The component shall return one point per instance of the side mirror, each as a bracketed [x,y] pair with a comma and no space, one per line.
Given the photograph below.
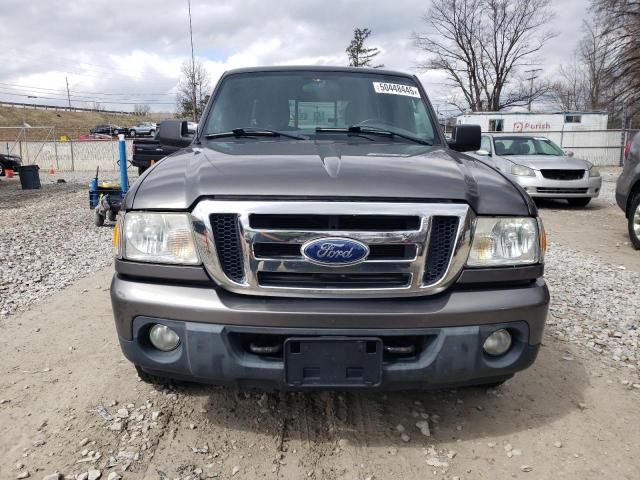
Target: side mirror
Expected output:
[174,133]
[568,153]
[465,138]
[483,152]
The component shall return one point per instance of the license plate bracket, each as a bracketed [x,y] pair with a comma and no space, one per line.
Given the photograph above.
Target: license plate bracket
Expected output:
[330,362]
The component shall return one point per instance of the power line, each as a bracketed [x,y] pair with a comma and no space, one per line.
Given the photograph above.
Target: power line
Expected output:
[86,99]
[30,87]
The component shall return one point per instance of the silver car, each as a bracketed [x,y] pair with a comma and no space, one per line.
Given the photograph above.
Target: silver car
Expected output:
[541,167]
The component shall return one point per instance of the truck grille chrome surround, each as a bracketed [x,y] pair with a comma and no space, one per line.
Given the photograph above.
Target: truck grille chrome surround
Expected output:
[265,261]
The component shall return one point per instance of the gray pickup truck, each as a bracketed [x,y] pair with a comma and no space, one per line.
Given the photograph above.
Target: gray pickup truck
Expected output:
[319,232]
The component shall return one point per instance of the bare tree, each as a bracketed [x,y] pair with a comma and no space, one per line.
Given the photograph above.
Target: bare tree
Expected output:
[141,108]
[621,21]
[359,55]
[568,92]
[482,45]
[193,89]
[97,106]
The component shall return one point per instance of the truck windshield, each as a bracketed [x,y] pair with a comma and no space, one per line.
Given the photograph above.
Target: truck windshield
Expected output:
[307,103]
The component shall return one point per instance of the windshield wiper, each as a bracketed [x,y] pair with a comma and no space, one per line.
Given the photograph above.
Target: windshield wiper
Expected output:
[356,129]
[253,132]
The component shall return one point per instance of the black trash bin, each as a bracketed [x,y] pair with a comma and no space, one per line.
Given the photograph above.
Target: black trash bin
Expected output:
[29,177]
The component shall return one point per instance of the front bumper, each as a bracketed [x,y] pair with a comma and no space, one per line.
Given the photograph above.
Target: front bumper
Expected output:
[453,325]
[540,187]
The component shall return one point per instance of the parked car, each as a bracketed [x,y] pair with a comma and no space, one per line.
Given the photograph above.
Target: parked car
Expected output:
[541,167]
[144,128]
[628,191]
[108,129]
[10,162]
[147,151]
[319,232]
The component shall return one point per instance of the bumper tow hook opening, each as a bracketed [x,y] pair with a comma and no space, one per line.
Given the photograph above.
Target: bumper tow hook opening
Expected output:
[265,349]
[400,350]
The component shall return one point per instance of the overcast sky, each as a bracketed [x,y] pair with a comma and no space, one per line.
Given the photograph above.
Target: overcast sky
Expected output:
[130,52]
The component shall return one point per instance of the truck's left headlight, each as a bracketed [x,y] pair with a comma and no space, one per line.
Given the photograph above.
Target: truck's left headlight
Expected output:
[159,238]
[501,241]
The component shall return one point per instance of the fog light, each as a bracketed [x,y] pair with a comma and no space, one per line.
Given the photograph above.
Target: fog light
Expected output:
[497,343]
[163,338]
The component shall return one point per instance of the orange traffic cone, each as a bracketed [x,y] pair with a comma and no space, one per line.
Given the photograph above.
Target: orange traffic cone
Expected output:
[51,170]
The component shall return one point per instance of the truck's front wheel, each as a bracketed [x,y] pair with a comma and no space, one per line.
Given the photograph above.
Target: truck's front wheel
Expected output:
[634,221]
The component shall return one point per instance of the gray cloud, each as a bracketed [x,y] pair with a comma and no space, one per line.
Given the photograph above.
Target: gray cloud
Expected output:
[135,48]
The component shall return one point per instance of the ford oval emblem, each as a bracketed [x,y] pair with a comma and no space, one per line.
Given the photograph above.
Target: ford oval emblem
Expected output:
[335,252]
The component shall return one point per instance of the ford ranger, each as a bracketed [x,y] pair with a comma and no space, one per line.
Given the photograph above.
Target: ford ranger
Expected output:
[319,232]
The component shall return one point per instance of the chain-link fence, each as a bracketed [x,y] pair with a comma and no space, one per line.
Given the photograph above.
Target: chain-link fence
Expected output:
[43,147]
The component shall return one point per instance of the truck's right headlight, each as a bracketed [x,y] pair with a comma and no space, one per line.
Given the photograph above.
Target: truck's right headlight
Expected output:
[159,238]
[502,241]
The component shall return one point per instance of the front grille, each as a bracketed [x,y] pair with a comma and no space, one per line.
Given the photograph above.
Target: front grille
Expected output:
[376,252]
[561,190]
[227,240]
[374,223]
[414,248]
[334,280]
[443,234]
[555,174]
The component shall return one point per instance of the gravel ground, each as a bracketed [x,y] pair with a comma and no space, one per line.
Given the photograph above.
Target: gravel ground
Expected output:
[594,304]
[48,241]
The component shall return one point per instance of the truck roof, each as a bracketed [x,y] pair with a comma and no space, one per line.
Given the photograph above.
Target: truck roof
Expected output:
[318,68]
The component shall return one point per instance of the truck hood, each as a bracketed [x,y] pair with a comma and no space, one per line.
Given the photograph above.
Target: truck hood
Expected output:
[538,162]
[366,171]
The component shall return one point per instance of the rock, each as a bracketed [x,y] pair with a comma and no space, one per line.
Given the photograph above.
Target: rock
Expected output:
[39,443]
[19,466]
[343,443]
[582,406]
[114,476]
[82,476]
[405,438]
[526,468]
[436,462]
[400,428]
[557,444]
[423,426]
[491,444]
[4,400]
[53,476]
[94,474]
[235,470]
[83,442]
[116,426]
[24,474]
[155,415]
[122,413]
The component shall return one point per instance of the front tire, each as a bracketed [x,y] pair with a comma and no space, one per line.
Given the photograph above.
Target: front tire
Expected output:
[579,202]
[132,133]
[634,221]
[152,133]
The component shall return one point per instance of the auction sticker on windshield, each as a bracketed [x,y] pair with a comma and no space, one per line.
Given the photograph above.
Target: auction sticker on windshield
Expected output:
[396,89]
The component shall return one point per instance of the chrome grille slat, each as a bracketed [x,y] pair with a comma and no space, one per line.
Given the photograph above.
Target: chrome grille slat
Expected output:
[413,269]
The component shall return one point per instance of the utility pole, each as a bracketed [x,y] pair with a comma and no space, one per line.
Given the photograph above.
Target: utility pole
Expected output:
[68,96]
[193,68]
[533,75]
